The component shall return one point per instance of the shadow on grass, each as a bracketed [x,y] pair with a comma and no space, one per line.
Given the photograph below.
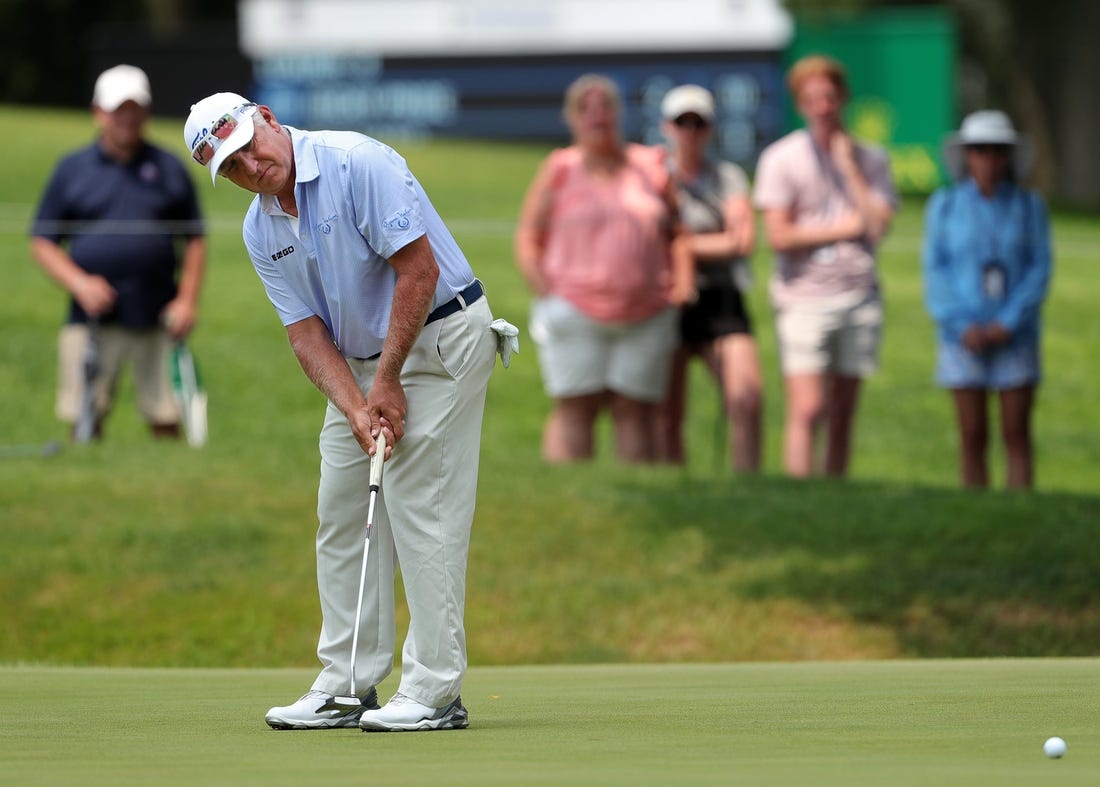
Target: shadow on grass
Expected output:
[950,573]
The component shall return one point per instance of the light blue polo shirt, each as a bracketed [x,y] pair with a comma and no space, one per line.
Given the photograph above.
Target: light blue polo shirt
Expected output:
[358,203]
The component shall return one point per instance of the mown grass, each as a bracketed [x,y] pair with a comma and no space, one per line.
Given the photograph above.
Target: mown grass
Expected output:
[902,723]
[133,552]
[958,722]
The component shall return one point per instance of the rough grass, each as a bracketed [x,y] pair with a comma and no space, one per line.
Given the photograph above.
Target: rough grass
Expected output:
[140,553]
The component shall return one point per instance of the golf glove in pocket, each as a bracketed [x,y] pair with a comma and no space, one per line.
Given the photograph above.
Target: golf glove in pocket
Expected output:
[507,339]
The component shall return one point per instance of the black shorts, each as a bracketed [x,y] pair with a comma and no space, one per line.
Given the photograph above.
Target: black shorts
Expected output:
[720,311]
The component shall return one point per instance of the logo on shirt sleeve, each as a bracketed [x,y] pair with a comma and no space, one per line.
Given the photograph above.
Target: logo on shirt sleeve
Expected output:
[398,221]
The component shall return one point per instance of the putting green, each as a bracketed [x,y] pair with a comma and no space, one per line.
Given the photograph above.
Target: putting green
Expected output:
[848,723]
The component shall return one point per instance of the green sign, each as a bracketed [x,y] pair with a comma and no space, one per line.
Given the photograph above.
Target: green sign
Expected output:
[901,69]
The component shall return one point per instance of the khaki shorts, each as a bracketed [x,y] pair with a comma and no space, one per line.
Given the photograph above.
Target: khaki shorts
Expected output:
[580,356]
[838,334]
[147,351]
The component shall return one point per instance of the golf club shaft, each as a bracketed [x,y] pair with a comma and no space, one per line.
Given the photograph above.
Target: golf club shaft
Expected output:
[43,449]
[89,415]
[375,485]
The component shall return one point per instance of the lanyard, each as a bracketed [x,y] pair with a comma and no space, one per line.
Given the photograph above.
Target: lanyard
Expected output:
[987,217]
[835,191]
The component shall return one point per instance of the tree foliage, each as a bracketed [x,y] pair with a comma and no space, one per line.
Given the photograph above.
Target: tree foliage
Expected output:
[46,46]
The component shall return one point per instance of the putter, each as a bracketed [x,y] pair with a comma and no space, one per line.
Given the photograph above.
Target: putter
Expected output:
[86,421]
[375,485]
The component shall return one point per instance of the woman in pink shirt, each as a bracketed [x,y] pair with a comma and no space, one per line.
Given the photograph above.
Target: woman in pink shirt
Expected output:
[599,243]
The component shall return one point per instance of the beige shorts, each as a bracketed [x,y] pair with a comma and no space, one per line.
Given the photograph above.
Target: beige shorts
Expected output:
[580,356]
[148,352]
[839,334]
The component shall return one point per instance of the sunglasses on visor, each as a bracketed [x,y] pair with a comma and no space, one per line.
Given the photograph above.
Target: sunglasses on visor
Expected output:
[221,130]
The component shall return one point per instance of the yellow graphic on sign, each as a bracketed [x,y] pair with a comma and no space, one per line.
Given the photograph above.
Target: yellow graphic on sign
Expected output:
[872,119]
[914,168]
[914,165]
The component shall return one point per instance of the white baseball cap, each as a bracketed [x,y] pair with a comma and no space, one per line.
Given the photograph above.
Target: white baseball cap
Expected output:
[120,84]
[217,127]
[688,98]
[986,127]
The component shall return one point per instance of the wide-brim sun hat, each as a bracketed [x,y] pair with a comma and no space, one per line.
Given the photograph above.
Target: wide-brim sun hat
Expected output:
[986,127]
[218,127]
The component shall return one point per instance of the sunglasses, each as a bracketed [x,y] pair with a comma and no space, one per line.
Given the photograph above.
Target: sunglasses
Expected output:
[988,149]
[221,130]
[691,121]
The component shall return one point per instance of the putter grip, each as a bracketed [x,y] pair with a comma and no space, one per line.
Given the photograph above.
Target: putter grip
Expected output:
[377,461]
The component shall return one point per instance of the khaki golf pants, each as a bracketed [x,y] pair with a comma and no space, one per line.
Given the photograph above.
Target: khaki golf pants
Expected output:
[422,519]
[149,352]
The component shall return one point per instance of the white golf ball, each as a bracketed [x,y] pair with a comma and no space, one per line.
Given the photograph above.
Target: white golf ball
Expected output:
[1054,747]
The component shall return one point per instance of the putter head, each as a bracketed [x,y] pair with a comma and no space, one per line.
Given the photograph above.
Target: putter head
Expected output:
[341,703]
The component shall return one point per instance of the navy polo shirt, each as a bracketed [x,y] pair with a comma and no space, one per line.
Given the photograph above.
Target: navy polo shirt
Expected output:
[125,222]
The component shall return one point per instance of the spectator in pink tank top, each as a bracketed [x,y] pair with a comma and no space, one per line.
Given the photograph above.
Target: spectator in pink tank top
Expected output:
[599,244]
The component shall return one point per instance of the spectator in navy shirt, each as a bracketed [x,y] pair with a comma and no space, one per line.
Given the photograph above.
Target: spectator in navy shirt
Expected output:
[119,229]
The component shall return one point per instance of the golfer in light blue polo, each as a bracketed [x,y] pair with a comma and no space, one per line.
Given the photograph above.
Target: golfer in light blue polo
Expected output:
[387,319]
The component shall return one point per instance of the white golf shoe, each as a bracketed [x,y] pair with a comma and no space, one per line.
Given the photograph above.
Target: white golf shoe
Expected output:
[402,714]
[318,710]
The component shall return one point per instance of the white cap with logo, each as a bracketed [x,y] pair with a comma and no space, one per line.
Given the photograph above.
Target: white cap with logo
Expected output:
[120,84]
[217,127]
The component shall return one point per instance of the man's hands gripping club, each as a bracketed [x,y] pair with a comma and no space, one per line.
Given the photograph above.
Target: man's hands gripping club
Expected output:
[383,413]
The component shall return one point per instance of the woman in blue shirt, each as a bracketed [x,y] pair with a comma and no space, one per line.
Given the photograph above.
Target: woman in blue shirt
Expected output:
[986,263]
